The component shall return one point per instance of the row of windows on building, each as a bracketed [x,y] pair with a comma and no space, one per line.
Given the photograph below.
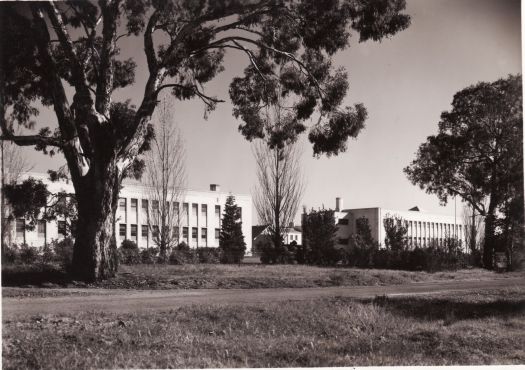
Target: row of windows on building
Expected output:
[40,228]
[422,228]
[293,237]
[433,230]
[426,242]
[145,233]
[175,208]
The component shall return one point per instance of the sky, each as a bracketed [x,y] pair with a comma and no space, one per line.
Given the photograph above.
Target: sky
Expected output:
[405,82]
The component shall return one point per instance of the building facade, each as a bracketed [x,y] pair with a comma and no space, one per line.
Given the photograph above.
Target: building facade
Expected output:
[199,225]
[423,228]
[291,233]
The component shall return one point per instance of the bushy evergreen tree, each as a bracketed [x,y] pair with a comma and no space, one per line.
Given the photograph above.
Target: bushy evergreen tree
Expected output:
[319,232]
[396,229]
[231,239]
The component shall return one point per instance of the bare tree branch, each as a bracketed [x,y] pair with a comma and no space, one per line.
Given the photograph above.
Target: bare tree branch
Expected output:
[166,180]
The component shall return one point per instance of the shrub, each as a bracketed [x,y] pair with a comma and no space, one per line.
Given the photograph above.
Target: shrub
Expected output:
[232,254]
[11,255]
[300,254]
[47,254]
[266,249]
[64,252]
[208,255]
[28,255]
[148,256]
[129,252]
[418,259]
[182,256]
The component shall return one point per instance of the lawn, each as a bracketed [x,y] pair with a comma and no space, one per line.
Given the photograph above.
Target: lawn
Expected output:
[231,276]
[477,328]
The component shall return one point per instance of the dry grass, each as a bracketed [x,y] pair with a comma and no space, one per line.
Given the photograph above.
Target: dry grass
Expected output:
[477,328]
[273,276]
[244,276]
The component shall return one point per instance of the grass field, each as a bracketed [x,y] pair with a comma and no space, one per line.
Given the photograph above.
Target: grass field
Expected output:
[231,276]
[484,327]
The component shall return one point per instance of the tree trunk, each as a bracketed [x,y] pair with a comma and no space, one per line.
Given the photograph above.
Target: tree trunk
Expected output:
[490,238]
[95,251]
[473,231]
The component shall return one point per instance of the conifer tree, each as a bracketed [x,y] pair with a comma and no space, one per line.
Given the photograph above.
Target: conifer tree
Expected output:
[231,239]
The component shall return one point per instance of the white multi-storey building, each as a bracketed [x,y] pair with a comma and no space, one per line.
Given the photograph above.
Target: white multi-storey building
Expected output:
[199,225]
[423,228]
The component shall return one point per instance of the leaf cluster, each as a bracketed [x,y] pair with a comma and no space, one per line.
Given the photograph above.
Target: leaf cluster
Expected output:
[477,152]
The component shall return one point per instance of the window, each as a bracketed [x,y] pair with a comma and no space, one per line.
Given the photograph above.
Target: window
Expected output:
[194,233]
[218,214]
[134,232]
[133,205]
[155,231]
[185,234]
[344,221]
[155,206]
[176,233]
[41,228]
[204,236]
[185,213]
[61,225]
[145,205]
[122,230]
[122,204]
[144,231]
[194,211]
[20,227]
[204,215]
[217,234]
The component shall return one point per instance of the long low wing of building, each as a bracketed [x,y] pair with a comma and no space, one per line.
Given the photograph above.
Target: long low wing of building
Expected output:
[424,228]
[200,222]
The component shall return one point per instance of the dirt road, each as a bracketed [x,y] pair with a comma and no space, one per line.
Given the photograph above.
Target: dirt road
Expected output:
[124,301]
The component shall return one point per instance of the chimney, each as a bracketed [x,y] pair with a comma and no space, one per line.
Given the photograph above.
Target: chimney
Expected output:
[215,187]
[338,204]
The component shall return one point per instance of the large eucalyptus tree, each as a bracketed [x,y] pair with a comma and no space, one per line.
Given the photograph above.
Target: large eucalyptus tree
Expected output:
[65,55]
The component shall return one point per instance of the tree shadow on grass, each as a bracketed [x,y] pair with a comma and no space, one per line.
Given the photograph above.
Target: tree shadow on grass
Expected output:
[451,309]
[40,275]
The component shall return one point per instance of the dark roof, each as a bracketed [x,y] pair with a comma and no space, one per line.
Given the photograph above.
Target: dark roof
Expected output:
[257,230]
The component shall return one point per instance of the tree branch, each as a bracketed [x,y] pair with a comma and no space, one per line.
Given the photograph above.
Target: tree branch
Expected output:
[304,69]
[148,42]
[109,31]
[79,78]
[28,140]
[208,100]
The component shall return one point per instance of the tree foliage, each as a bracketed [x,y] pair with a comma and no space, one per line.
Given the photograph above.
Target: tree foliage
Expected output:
[231,239]
[319,236]
[67,56]
[363,235]
[396,229]
[32,201]
[477,153]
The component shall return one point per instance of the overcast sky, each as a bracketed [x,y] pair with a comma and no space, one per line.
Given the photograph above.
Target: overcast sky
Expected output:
[405,83]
